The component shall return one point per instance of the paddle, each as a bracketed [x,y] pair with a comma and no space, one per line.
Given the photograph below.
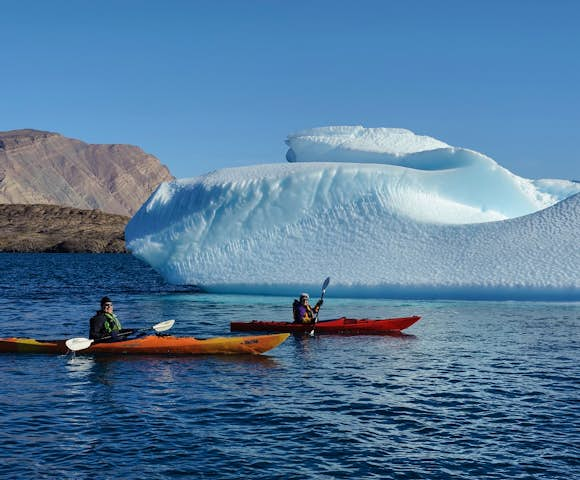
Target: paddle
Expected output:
[80,343]
[324,285]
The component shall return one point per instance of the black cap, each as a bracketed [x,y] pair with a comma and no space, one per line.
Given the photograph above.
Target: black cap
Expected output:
[106,300]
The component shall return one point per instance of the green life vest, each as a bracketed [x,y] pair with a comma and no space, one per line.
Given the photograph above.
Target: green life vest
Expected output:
[112,323]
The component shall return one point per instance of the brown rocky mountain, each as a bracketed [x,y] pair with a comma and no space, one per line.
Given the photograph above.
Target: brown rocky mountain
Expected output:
[39,167]
[52,228]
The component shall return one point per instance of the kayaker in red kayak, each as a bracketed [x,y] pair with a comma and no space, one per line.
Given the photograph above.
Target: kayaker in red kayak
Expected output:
[105,323]
[303,312]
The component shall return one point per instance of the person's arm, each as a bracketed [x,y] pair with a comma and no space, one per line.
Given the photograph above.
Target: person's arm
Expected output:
[318,305]
[296,312]
[97,324]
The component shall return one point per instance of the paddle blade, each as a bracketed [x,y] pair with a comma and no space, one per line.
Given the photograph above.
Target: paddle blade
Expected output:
[326,282]
[76,344]
[163,326]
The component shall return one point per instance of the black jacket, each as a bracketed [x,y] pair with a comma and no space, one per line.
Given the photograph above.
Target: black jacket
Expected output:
[97,326]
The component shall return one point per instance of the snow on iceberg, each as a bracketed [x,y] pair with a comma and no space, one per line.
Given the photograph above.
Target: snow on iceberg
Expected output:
[383,212]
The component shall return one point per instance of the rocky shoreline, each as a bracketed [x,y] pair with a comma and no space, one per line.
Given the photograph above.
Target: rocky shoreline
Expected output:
[40,228]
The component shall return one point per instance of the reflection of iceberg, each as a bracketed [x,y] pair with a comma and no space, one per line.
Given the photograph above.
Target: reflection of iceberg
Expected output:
[382,211]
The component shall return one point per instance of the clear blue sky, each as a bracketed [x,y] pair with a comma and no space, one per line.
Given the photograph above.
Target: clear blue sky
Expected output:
[211,84]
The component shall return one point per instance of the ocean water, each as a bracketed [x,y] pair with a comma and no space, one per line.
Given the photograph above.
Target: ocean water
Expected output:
[474,390]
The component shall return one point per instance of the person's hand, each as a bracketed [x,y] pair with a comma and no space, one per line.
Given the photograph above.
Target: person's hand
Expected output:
[319,303]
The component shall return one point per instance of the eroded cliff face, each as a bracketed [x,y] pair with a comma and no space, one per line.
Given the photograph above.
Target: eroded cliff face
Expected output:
[38,167]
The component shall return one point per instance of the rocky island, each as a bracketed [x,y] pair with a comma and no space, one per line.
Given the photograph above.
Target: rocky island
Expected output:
[56,229]
[59,194]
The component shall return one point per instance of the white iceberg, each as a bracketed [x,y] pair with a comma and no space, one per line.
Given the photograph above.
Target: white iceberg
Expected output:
[383,212]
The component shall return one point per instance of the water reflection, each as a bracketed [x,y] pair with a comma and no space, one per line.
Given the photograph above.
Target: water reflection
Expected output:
[163,369]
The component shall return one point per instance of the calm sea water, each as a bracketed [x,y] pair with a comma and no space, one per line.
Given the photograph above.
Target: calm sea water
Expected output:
[475,390]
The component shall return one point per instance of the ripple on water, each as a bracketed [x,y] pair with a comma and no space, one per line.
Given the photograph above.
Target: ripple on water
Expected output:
[479,390]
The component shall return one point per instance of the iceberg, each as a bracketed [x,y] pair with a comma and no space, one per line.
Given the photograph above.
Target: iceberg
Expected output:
[383,212]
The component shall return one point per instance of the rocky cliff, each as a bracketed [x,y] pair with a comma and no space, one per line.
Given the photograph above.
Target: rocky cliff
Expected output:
[39,167]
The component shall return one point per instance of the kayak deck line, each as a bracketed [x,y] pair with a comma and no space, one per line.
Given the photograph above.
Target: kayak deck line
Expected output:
[152,345]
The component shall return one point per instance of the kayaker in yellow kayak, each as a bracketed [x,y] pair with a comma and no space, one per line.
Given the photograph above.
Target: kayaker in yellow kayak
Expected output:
[303,312]
[105,323]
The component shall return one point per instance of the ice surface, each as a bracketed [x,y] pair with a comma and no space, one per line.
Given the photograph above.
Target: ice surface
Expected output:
[383,212]
[357,144]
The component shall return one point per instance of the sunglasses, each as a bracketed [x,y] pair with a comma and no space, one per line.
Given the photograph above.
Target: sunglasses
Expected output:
[108,305]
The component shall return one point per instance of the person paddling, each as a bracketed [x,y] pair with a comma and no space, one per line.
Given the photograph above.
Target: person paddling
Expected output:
[303,312]
[105,324]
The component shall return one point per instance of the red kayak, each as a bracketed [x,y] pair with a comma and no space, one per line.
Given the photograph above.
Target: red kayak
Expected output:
[343,325]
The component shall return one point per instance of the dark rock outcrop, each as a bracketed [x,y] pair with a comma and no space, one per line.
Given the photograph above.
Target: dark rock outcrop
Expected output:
[52,228]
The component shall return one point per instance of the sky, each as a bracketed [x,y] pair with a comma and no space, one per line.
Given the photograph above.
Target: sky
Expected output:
[204,85]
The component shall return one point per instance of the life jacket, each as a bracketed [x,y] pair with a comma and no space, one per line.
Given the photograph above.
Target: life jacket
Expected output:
[103,324]
[112,323]
[302,313]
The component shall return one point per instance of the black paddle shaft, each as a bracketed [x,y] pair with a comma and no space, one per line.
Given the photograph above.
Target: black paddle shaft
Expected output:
[324,285]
